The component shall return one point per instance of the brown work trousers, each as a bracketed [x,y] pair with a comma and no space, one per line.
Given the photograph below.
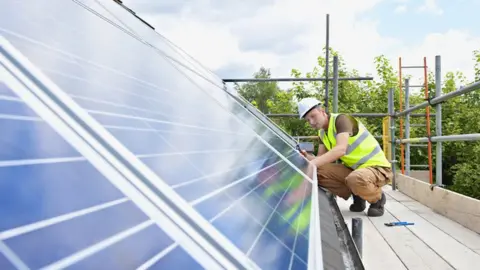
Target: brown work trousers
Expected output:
[342,181]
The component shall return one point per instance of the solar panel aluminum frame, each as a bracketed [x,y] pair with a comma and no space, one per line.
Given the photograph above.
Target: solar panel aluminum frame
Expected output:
[315,255]
[40,94]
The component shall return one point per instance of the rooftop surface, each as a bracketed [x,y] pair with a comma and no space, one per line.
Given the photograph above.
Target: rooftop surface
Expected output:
[433,242]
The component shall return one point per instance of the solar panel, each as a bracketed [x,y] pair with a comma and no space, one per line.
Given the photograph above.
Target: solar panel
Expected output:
[56,207]
[111,11]
[201,181]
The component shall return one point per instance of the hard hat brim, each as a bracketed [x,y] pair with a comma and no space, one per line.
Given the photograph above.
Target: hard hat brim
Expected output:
[307,111]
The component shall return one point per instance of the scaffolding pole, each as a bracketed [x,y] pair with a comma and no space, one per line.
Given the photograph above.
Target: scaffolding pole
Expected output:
[427,116]
[296,79]
[391,112]
[407,127]
[438,121]
[446,138]
[366,115]
[400,108]
[312,137]
[327,56]
[335,84]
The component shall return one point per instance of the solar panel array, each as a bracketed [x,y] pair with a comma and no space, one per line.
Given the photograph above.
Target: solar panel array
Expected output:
[118,150]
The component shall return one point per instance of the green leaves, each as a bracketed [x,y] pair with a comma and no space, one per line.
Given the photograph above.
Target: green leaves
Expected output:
[476,58]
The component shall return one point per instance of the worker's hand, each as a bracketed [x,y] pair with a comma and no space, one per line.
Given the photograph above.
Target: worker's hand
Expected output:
[307,155]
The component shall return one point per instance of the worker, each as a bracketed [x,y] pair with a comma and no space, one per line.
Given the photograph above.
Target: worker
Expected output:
[364,168]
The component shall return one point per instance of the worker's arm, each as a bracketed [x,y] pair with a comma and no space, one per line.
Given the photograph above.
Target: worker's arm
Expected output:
[336,152]
[321,149]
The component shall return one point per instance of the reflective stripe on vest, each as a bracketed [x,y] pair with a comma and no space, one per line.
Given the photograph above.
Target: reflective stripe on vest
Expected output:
[363,149]
[294,219]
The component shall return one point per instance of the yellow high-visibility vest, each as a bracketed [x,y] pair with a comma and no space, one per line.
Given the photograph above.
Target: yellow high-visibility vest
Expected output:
[363,149]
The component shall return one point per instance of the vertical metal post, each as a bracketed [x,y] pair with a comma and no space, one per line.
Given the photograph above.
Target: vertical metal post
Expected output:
[326,62]
[438,118]
[407,127]
[391,112]
[357,232]
[335,84]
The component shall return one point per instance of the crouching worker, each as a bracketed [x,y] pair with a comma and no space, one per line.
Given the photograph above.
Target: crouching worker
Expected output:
[364,169]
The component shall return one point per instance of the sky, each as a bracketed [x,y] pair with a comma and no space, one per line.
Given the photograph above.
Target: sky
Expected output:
[235,38]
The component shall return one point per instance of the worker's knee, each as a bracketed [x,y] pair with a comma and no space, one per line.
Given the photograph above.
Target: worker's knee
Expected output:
[336,172]
[358,179]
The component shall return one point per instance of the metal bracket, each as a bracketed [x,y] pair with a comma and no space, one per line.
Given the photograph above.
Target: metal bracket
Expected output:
[432,186]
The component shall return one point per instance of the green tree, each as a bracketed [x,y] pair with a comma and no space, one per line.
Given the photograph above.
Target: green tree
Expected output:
[259,93]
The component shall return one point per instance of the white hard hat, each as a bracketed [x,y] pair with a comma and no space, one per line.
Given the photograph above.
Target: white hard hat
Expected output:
[305,105]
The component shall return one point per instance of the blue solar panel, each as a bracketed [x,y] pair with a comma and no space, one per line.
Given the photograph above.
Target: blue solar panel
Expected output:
[115,13]
[55,206]
[209,150]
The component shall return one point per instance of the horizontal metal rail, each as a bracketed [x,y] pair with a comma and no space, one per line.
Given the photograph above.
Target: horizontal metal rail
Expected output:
[297,79]
[368,115]
[447,138]
[317,137]
[434,101]
[306,137]
[413,66]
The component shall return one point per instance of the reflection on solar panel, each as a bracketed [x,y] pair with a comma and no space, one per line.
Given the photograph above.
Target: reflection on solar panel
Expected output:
[119,152]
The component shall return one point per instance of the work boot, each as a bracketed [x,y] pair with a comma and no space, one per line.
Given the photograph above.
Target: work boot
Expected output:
[377,209]
[358,204]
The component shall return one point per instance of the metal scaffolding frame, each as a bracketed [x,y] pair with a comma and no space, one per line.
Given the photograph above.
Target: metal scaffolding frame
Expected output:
[407,113]
[438,138]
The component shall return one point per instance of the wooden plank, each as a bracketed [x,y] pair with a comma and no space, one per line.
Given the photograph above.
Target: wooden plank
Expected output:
[377,254]
[396,194]
[456,254]
[413,252]
[463,235]
[460,208]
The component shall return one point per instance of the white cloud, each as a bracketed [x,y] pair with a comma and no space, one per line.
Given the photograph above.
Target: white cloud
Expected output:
[430,6]
[458,59]
[401,9]
[286,34]
[295,41]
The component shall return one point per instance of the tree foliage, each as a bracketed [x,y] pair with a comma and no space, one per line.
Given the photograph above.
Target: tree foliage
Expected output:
[460,115]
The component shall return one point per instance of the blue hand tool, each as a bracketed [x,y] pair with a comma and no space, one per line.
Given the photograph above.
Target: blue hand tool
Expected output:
[398,223]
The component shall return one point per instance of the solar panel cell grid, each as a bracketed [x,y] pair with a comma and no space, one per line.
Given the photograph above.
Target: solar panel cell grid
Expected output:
[55,206]
[117,14]
[4,262]
[26,139]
